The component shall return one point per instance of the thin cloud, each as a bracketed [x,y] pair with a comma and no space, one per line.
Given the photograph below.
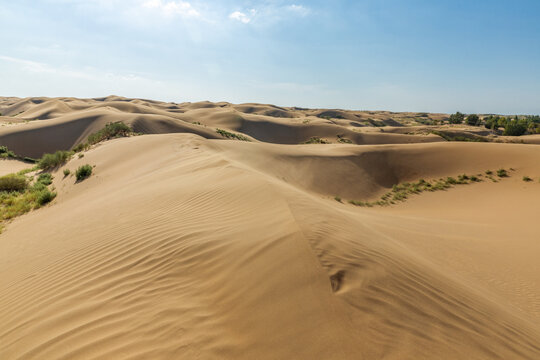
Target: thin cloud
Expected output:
[242,17]
[270,14]
[298,9]
[172,8]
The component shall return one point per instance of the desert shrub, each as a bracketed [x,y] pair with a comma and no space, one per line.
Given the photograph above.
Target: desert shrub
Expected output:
[110,131]
[81,147]
[66,172]
[45,179]
[502,173]
[230,135]
[337,198]
[13,182]
[50,161]
[473,120]
[44,196]
[343,140]
[527,179]
[6,153]
[83,172]
[456,118]
[316,140]
[489,172]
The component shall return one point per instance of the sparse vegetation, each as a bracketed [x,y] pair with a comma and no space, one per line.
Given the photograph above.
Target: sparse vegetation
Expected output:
[110,131]
[337,198]
[19,196]
[6,153]
[230,135]
[527,179]
[45,178]
[51,161]
[502,173]
[452,137]
[66,172]
[343,140]
[316,140]
[83,172]
[401,192]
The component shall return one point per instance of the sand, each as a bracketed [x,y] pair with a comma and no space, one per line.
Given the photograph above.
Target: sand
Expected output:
[184,245]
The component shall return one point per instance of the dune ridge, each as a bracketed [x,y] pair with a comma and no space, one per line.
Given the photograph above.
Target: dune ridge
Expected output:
[186,245]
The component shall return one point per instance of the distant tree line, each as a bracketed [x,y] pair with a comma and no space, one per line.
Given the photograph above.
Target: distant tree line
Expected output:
[512,125]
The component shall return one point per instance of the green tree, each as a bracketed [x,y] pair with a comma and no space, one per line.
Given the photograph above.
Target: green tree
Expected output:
[456,118]
[473,120]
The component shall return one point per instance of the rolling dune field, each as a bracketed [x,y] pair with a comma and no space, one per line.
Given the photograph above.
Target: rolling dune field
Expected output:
[188,243]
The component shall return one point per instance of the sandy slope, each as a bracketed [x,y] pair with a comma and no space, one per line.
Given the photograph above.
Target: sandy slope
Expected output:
[183,246]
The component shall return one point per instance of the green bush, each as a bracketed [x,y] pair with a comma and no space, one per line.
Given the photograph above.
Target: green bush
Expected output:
[44,196]
[13,182]
[527,179]
[6,153]
[45,179]
[83,172]
[502,173]
[66,172]
[50,161]
[110,131]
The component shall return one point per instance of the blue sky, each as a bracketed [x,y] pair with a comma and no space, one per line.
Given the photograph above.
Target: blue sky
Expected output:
[415,55]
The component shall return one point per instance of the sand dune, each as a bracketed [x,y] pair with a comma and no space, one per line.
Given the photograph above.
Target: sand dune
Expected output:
[186,245]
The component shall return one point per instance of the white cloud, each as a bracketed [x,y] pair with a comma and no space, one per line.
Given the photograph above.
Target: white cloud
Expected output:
[299,9]
[86,73]
[242,17]
[172,8]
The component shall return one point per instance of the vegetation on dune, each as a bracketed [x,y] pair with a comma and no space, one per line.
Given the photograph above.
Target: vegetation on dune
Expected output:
[5,153]
[401,192]
[18,195]
[502,173]
[51,161]
[83,172]
[229,135]
[452,137]
[110,131]
[316,140]
[343,140]
[66,172]
[527,179]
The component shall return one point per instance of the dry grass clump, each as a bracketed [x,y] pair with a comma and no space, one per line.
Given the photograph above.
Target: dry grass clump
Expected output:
[316,140]
[401,192]
[229,135]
